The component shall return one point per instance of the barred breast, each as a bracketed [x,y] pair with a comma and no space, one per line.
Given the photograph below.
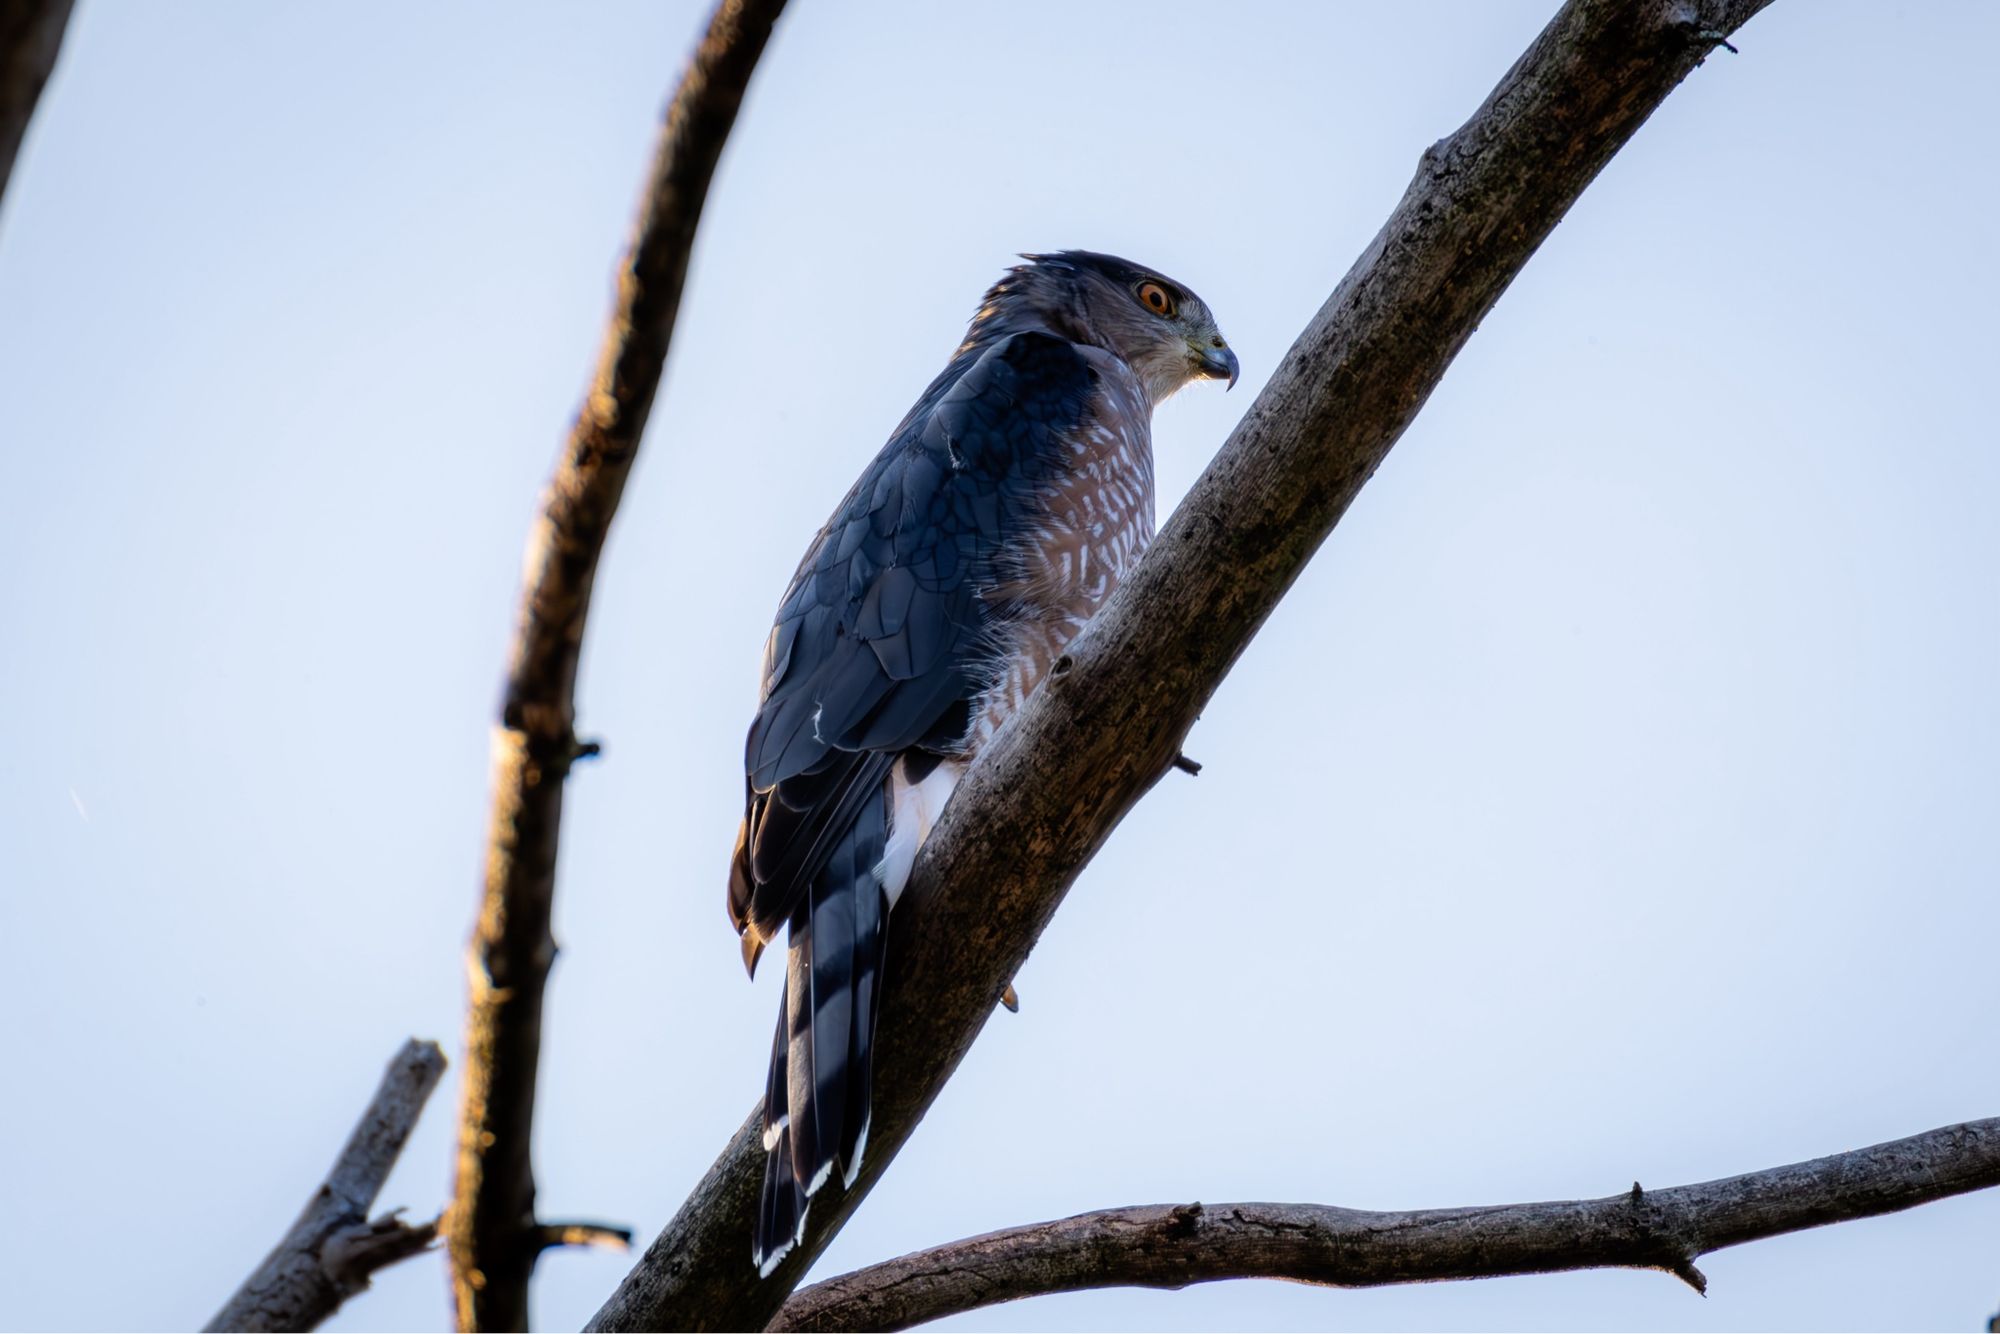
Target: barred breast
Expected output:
[1095,522]
[1098,522]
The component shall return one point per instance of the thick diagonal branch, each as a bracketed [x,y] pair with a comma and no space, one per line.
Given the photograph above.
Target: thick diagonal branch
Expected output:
[491,1227]
[31,33]
[333,1248]
[1099,733]
[1171,1246]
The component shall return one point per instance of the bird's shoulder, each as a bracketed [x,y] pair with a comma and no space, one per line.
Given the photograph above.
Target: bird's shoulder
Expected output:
[882,639]
[877,639]
[1011,409]
[948,486]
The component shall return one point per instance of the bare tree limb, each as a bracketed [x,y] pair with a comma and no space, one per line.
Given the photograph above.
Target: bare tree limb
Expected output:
[31,33]
[332,1249]
[490,1227]
[605,1236]
[1169,1246]
[1112,718]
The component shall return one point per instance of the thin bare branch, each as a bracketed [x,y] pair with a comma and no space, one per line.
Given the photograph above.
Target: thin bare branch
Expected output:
[490,1227]
[1171,1246]
[31,33]
[332,1249]
[604,1236]
[1113,717]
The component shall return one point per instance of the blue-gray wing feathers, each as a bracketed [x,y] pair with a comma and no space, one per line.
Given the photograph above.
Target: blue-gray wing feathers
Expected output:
[880,647]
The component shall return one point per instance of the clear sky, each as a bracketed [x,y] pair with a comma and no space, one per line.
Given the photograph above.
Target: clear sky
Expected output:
[1613,798]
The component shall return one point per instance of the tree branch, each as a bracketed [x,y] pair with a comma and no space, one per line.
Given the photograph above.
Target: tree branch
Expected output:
[1167,1246]
[605,1236]
[490,1227]
[332,1249]
[1112,718]
[31,33]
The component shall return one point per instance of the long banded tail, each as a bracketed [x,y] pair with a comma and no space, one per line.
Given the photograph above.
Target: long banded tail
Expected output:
[817,1098]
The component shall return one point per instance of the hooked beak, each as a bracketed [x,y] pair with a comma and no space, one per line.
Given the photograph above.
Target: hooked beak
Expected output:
[1219,363]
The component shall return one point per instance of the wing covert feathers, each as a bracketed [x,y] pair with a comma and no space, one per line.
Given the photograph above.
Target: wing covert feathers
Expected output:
[881,644]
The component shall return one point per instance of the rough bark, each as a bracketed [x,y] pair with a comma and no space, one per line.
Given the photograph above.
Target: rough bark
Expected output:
[1111,720]
[1171,1246]
[332,1249]
[31,33]
[491,1228]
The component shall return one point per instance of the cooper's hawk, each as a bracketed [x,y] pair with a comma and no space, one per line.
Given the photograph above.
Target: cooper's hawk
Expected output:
[1000,515]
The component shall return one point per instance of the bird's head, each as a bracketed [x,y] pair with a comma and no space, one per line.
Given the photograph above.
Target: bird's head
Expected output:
[1163,331]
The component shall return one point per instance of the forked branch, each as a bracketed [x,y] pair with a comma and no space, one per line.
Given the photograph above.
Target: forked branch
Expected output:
[1171,1246]
[334,1246]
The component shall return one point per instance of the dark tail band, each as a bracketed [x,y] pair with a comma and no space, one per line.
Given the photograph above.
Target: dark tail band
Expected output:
[817,1099]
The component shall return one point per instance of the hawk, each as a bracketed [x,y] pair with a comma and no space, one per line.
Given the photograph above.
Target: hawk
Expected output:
[999,516]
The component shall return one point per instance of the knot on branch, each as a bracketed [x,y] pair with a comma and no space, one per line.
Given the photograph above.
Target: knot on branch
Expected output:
[1684,1270]
[1184,1221]
[538,741]
[1434,160]
[1688,20]
[352,1254]
[1665,1240]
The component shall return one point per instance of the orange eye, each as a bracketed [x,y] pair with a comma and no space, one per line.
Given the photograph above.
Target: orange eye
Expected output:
[1156,299]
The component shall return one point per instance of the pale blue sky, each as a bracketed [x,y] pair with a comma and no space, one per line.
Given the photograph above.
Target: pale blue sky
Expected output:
[1614,796]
